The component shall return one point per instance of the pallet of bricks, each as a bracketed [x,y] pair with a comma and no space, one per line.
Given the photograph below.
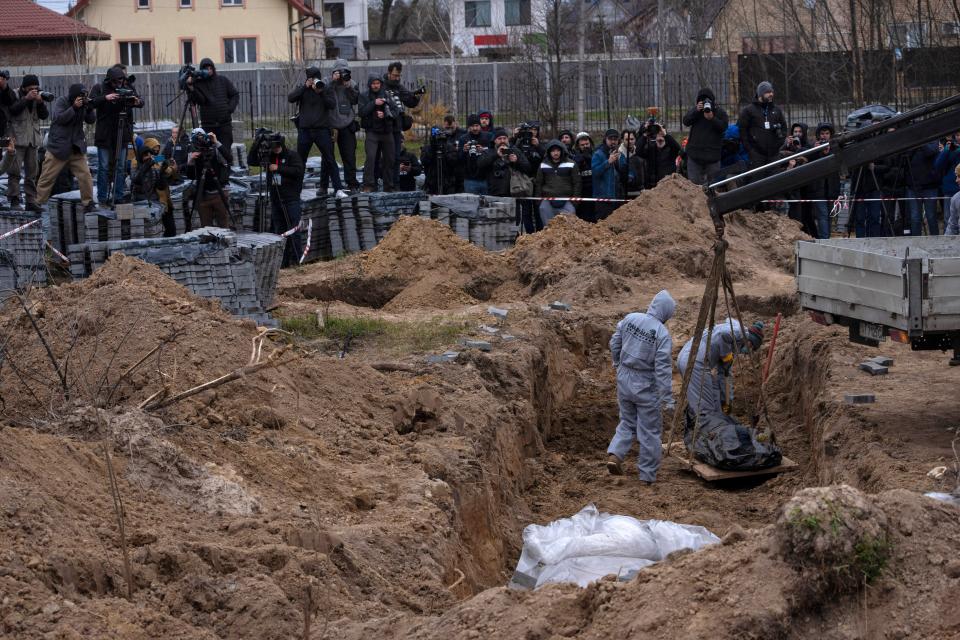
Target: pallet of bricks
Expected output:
[486,221]
[22,253]
[239,269]
[69,225]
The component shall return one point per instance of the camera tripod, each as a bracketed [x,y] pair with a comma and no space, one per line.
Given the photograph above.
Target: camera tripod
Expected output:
[199,183]
[119,155]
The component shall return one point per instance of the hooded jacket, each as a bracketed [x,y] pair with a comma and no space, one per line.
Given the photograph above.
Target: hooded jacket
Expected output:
[408,179]
[343,113]
[108,113]
[762,129]
[24,123]
[556,179]
[369,108]
[490,127]
[642,352]
[216,97]
[66,125]
[584,162]
[706,136]
[707,392]
[150,176]
[314,104]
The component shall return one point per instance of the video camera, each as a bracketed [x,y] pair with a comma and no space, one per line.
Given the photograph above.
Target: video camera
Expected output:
[265,139]
[707,106]
[188,71]
[202,143]
[525,134]
[438,138]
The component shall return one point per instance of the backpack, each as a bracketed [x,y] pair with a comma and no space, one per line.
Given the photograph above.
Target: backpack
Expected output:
[521,185]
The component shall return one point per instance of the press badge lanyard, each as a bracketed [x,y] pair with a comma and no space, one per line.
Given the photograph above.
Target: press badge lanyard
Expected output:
[766,117]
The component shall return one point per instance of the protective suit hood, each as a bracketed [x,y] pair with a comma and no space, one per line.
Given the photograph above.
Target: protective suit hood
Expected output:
[662,306]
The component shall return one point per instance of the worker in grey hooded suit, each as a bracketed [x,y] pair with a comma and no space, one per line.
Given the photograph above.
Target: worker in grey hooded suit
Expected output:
[642,354]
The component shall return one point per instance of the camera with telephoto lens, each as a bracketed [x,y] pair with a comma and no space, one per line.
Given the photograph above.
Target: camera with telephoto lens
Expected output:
[525,134]
[472,148]
[202,143]
[707,106]
[420,91]
[345,75]
[266,139]
[438,138]
[46,96]
[188,71]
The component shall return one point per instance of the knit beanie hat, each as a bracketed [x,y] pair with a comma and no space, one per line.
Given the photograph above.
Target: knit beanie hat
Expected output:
[30,80]
[473,119]
[764,87]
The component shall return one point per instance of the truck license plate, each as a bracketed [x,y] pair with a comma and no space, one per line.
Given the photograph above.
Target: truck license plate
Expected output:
[872,331]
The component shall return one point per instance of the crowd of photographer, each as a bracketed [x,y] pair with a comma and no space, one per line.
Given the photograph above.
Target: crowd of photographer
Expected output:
[569,174]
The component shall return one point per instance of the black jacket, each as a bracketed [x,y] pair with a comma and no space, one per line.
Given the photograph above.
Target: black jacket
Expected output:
[149,177]
[402,99]
[556,179]
[289,173]
[584,162]
[216,172]
[408,180]
[7,97]
[176,151]
[921,174]
[661,162]
[759,139]
[453,168]
[369,108]
[706,136]
[497,170]
[216,97]
[66,125]
[471,170]
[108,113]
[826,188]
[314,105]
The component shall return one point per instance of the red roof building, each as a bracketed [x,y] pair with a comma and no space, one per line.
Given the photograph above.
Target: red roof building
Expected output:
[32,35]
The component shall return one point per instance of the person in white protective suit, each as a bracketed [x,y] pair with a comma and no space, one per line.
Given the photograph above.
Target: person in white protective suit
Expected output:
[711,382]
[642,355]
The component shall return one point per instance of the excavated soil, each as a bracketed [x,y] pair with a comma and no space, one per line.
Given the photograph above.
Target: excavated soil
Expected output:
[364,498]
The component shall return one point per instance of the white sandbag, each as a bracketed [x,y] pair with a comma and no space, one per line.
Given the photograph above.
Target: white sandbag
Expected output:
[590,545]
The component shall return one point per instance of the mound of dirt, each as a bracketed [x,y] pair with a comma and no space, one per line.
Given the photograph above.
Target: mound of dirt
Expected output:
[419,264]
[99,328]
[666,234]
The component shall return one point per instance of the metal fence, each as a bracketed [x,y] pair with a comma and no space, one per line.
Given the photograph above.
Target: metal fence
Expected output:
[513,91]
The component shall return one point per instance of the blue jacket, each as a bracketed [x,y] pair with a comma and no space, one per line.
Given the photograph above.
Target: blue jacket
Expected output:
[945,163]
[605,176]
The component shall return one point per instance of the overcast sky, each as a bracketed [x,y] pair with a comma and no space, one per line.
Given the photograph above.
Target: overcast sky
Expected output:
[56,5]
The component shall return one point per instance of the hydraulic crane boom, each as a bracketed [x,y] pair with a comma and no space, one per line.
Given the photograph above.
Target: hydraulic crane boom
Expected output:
[847,151]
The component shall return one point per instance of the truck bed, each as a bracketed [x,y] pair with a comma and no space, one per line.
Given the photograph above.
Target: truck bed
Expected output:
[903,283]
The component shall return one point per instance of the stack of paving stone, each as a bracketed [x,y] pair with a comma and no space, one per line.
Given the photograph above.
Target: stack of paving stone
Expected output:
[22,254]
[241,209]
[239,269]
[483,220]
[69,225]
[313,209]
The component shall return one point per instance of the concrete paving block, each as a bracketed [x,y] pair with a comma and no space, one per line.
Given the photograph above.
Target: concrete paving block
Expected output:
[859,398]
[482,345]
[559,306]
[883,361]
[873,368]
[506,337]
[500,314]
[441,358]
[488,329]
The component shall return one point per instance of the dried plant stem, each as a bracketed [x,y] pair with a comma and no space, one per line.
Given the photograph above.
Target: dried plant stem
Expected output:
[118,509]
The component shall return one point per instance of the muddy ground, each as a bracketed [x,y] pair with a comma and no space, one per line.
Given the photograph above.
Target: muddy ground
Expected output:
[377,495]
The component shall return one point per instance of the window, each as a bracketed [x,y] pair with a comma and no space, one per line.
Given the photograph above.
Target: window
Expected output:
[333,15]
[231,3]
[186,4]
[908,35]
[239,49]
[477,13]
[186,52]
[516,12]
[143,4]
[135,54]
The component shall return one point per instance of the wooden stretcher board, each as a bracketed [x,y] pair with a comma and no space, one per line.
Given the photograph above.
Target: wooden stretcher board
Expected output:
[712,474]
